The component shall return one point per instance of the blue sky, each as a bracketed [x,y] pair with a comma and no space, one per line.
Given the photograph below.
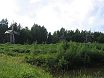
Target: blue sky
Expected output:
[54,14]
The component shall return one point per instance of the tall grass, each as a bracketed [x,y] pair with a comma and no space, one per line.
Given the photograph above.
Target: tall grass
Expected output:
[61,57]
[66,56]
[13,67]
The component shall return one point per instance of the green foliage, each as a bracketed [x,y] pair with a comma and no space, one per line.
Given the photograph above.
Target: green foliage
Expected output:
[14,67]
[69,55]
[40,34]
[61,57]
[3,28]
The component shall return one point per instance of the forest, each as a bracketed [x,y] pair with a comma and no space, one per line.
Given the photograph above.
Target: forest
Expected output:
[40,34]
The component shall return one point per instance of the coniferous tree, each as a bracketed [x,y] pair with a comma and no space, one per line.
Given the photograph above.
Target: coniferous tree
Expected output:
[49,38]
[3,29]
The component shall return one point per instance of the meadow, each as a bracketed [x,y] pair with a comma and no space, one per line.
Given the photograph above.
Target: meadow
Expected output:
[61,60]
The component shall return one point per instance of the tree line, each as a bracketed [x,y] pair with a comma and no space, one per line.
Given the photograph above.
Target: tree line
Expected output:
[39,34]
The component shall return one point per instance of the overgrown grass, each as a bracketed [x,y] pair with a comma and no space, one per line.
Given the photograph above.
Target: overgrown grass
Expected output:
[14,67]
[66,56]
[59,59]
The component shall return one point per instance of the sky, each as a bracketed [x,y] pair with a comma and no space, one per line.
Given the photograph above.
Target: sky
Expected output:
[55,14]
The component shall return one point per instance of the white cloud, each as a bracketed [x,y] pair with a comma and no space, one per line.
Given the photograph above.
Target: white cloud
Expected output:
[63,13]
[8,8]
[54,14]
[34,1]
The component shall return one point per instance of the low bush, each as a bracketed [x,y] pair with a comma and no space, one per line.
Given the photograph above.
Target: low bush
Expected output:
[70,55]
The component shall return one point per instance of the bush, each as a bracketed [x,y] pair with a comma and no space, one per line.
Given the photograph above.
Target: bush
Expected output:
[70,55]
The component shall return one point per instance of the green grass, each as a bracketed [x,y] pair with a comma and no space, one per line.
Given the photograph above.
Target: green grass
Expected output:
[14,67]
[62,60]
[66,56]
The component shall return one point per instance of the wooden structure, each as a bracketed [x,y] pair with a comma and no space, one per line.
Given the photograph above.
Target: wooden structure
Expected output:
[11,33]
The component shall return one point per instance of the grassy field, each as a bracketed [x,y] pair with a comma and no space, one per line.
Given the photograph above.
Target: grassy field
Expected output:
[61,60]
[15,67]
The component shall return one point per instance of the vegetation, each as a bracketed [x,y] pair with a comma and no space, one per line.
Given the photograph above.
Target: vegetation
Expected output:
[39,34]
[63,60]
[66,56]
[40,54]
[12,65]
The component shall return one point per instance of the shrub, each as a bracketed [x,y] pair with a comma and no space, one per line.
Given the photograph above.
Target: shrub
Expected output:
[70,55]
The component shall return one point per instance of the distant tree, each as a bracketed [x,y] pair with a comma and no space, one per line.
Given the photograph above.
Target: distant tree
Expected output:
[25,36]
[62,33]
[44,34]
[3,28]
[56,37]
[49,38]
[100,38]
[70,35]
[59,35]
[96,36]
[83,36]
[15,26]
[39,34]
[76,36]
